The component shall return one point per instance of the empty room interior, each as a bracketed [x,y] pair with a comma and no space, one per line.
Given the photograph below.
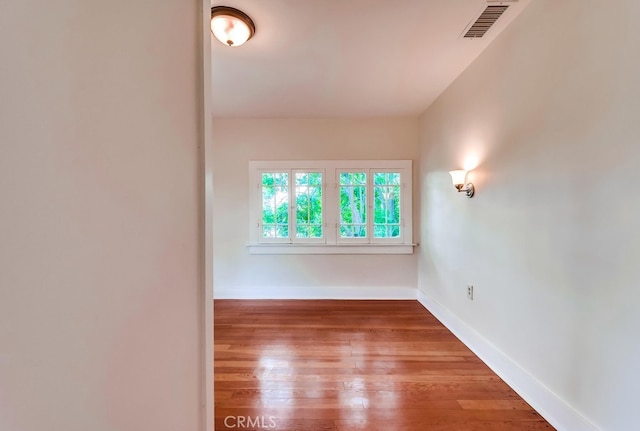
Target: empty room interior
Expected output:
[387,215]
[336,304]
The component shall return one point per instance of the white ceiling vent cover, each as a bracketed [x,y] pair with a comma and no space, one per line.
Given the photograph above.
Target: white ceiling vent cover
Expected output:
[488,17]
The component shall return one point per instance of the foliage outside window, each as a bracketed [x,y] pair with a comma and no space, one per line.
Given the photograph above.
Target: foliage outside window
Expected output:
[309,223]
[275,205]
[353,204]
[331,203]
[386,191]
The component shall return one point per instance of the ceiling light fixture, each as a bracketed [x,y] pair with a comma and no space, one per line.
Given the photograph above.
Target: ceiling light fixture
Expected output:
[231,26]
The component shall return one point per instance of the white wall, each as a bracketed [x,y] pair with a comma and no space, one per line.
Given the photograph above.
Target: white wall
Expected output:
[240,275]
[99,215]
[549,114]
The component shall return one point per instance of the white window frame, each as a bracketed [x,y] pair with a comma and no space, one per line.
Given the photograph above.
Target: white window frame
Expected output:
[331,243]
[292,207]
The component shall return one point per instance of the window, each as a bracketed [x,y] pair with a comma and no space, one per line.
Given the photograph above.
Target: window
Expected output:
[275,205]
[331,207]
[292,206]
[308,204]
[353,204]
[386,207]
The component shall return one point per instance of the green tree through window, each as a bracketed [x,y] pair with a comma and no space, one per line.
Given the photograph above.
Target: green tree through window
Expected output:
[330,206]
[353,205]
[386,215]
[309,205]
[275,205]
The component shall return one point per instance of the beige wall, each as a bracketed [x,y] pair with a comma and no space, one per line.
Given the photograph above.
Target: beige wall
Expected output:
[99,208]
[238,274]
[549,114]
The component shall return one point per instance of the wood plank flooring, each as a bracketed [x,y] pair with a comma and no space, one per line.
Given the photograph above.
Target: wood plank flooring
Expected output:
[353,365]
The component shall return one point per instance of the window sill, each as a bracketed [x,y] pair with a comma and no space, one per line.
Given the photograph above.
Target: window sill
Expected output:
[331,249]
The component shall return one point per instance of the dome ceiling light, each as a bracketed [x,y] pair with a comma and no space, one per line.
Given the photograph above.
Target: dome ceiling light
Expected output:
[231,26]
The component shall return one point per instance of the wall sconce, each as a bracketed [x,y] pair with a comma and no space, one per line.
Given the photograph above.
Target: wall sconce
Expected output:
[459,178]
[231,26]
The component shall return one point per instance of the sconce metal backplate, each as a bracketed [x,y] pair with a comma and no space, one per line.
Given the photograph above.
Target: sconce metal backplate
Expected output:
[469,189]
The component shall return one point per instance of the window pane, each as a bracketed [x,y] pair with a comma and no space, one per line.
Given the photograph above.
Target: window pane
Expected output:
[386,217]
[394,231]
[315,178]
[282,231]
[353,205]
[353,231]
[275,205]
[302,231]
[394,178]
[353,178]
[302,179]
[281,179]
[268,232]
[302,206]
[380,178]
[379,231]
[268,211]
[315,231]
[386,178]
[309,218]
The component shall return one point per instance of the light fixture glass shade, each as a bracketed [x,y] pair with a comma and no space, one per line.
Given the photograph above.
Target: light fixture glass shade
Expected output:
[458,177]
[231,26]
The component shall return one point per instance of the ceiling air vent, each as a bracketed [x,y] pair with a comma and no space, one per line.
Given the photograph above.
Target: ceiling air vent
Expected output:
[487,18]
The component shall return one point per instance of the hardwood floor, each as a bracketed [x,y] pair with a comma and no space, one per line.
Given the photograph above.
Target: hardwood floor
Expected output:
[353,365]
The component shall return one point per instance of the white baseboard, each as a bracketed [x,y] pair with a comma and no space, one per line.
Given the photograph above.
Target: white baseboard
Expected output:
[556,411]
[316,292]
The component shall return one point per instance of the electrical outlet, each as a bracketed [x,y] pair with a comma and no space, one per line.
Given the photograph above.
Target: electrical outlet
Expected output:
[470,291]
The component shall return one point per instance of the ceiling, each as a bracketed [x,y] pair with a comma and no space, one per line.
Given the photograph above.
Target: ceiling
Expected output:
[346,58]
